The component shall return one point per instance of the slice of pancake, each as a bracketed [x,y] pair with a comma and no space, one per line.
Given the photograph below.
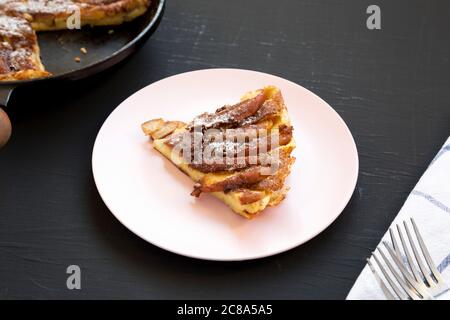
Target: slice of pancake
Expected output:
[19,51]
[53,14]
[243,181]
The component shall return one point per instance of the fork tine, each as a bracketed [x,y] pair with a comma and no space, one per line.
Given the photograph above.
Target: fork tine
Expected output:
[394,287]
[395,244]
[380,281]
[398,292]
[425,272]
[411,263]
[425,252]
[419,287]
[399,278]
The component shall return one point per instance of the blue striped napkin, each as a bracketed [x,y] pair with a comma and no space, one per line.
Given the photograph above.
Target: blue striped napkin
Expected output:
[429,205]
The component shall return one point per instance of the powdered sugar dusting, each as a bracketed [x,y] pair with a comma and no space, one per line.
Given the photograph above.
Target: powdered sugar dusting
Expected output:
[14,27]
[40,6]
[19,58]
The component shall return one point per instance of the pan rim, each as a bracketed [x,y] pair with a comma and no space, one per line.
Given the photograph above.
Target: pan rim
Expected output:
[156,17]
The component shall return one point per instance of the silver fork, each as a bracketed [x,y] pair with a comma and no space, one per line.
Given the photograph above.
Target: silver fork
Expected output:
[405,280]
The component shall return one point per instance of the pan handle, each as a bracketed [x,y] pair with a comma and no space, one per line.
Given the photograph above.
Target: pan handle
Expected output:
[5,123]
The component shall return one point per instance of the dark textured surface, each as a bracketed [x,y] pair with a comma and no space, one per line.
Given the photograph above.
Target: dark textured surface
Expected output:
[390,86]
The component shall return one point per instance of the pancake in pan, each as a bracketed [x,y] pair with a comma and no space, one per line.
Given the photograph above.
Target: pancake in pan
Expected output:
[19,19]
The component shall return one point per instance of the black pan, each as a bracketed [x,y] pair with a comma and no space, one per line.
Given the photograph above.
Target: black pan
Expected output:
[105,48]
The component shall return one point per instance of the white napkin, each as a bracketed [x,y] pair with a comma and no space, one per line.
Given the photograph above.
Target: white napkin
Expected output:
[429,205]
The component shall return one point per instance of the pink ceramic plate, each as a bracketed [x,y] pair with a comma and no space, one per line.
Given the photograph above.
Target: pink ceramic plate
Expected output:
[150,196]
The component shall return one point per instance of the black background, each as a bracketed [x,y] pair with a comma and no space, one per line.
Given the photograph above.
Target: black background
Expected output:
[391,86]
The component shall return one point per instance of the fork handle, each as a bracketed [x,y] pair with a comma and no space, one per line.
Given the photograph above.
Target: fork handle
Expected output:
[444,295]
